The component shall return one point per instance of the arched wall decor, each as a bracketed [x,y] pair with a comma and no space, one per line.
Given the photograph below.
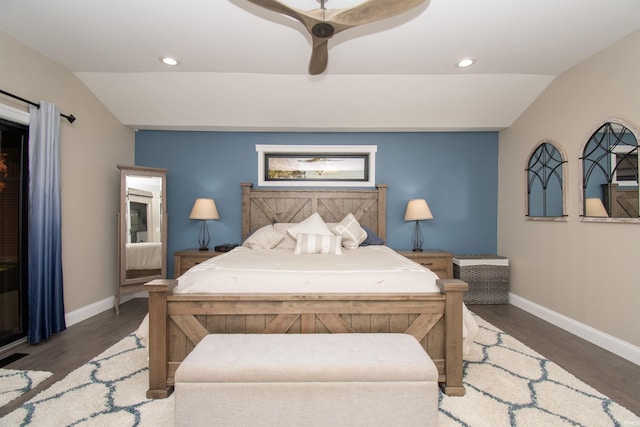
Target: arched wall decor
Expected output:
[546,181]
[609,173]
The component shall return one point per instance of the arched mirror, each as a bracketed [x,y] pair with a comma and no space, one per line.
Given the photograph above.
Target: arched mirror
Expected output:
[142,221]
[610,174]
[546,175]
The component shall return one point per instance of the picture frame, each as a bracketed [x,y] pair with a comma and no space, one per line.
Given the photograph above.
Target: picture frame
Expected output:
[316,167]
[313,165]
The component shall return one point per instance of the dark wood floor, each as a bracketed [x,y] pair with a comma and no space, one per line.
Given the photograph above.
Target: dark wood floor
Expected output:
[77,345]
[611,375]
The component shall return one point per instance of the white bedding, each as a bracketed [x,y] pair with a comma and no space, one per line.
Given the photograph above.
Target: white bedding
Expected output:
[363,270]
[367,269]
[144,256]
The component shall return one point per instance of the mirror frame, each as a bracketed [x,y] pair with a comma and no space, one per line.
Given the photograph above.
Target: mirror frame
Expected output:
[583,217]
[549,169]
[135,284]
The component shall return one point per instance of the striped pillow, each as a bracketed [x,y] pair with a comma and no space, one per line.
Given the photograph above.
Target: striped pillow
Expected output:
[317,244]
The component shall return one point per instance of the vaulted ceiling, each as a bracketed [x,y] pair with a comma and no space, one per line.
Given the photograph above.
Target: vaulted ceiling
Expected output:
[243,67]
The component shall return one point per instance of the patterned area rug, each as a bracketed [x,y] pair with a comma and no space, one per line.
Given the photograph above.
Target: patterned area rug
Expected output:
[14,383]
[107,391]
[507,384]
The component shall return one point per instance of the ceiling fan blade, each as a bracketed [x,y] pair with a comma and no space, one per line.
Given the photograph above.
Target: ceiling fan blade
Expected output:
[323,23]
[276,6]
[373,10]
[319,56]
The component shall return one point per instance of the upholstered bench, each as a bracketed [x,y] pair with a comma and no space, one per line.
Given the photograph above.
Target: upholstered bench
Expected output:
[307,380]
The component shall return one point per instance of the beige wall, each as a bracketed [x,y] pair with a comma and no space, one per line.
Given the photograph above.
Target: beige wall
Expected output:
[91,148]
[589,272]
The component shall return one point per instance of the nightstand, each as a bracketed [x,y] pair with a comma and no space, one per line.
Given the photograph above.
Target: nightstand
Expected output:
[440,262]
[185,259]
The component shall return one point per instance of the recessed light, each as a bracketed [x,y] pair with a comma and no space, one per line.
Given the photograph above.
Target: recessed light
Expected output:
[167,60]
[465,62]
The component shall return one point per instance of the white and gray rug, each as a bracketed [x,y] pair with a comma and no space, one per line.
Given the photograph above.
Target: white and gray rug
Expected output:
[107,391]
[507,384]
[14,383]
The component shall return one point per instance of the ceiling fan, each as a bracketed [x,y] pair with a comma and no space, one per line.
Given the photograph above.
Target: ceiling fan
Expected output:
[324,23]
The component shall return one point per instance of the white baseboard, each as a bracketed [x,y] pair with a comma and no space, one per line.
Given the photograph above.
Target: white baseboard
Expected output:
[91,310]
[614,345]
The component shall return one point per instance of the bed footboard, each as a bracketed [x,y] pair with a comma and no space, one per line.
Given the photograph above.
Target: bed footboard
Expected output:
[177,322]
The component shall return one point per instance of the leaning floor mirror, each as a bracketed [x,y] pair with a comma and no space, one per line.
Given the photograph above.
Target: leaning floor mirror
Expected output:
[142,229]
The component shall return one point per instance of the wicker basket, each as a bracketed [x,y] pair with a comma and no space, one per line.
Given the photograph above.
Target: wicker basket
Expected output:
[487,276]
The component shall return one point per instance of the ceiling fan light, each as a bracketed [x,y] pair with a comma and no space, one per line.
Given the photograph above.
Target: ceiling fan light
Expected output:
[465,62]
[167,60]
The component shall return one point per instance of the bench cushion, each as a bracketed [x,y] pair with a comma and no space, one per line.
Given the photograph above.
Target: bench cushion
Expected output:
[307,358]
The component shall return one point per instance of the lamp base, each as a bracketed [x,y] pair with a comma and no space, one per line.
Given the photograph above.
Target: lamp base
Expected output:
[417,238]
[203,237]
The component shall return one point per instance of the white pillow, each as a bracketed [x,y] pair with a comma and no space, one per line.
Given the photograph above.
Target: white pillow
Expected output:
[350,231]
[288,242]
[317,244]
[312,225]
[266,237]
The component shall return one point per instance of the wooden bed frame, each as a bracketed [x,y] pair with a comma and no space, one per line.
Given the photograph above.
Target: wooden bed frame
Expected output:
[177,322]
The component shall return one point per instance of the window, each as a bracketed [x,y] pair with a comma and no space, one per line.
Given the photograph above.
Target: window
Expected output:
[624,165]
[14,230]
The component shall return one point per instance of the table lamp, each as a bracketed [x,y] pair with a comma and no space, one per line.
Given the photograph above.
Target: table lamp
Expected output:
[595,207]
[417,210]
[204,209]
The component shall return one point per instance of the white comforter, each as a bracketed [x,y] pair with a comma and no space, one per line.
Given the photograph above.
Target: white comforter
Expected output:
[367,269]
[363,270]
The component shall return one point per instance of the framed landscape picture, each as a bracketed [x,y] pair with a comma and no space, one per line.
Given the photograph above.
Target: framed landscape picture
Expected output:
[316,165]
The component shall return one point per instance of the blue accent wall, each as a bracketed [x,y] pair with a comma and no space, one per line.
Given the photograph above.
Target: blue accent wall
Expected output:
[456,172]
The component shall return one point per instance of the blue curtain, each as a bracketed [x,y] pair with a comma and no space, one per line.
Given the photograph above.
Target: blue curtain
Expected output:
[46,303]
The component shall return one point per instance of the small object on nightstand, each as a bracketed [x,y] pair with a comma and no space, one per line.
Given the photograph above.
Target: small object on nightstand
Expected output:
[440,262]
[226,247]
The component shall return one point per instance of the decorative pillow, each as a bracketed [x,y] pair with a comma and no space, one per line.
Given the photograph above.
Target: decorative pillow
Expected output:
[288,242]
[350,231]
[312,225]
[317,244]
[266,237]
[372,238]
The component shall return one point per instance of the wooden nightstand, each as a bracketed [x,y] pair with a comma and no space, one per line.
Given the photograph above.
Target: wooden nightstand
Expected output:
[185,259]
[440,262]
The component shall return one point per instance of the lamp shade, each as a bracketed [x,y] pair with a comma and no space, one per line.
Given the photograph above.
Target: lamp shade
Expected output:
[417,209]
[595,207]
[204,209]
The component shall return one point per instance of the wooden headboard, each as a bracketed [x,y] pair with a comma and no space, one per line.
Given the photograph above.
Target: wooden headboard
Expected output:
[261,207]
[621,202]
